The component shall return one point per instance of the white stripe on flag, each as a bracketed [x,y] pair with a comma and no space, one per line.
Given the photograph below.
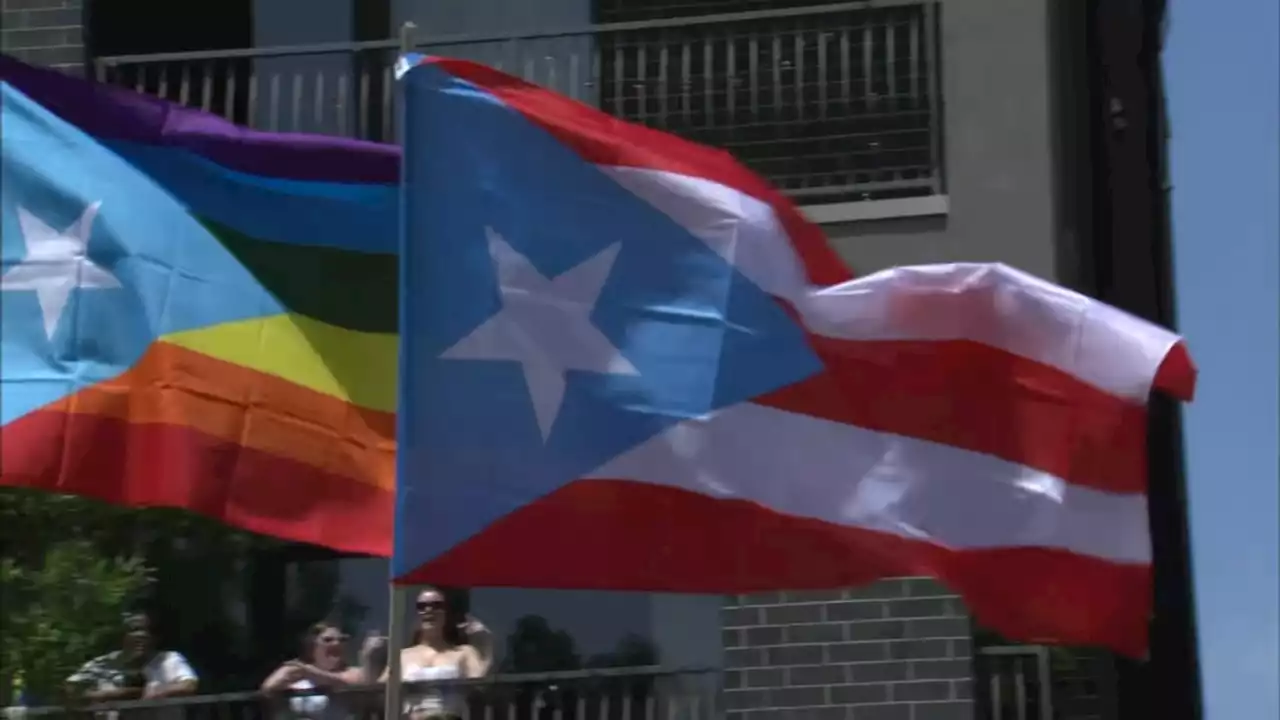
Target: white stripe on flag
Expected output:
[877,481]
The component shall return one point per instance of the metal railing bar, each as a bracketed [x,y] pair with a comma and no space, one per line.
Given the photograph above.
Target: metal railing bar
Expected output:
[262,53]
[813,192]
[1044,670]
[510,679]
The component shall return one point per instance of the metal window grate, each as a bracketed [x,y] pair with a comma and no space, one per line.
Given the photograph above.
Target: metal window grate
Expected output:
[833,104]
[1015,683]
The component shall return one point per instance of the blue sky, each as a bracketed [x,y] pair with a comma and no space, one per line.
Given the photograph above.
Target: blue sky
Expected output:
[1221,72]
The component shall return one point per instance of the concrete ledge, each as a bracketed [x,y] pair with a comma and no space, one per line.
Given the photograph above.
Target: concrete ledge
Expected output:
[876,209]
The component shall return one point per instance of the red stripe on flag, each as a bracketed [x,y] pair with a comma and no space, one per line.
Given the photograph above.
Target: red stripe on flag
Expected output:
[621,535]
[978,398]
[137,465]
[1177,374]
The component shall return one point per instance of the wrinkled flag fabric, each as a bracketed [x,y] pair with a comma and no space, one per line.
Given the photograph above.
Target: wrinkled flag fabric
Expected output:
[197,315]
[630,364]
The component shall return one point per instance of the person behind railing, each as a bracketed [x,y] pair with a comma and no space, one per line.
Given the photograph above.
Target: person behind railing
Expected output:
[444,647]
[322,665]
[137,671]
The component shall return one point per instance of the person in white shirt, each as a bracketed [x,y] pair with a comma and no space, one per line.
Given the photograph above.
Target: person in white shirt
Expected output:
[137,671]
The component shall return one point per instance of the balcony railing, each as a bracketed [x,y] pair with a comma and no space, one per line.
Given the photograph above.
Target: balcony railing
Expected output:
[624,694]
[832,102]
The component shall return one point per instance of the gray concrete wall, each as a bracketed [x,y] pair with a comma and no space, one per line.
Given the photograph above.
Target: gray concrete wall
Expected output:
[999,149]
[43,32]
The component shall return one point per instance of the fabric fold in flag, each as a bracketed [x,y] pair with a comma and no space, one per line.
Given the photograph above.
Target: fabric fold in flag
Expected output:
[633,365]
[197,315]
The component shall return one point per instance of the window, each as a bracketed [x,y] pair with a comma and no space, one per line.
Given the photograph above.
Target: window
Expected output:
[831,104]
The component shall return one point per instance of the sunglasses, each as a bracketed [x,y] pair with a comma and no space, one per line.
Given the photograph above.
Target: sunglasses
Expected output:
[425,605]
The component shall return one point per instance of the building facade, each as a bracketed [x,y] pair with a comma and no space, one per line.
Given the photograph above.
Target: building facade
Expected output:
[914,131]
[44,32]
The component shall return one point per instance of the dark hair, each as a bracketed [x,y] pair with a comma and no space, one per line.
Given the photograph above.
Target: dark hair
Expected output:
[451,623]
[307,651]
[138,621]
[152,618]
[129,618]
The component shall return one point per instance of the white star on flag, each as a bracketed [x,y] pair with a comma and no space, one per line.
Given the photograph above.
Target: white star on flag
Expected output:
[56,264]
[545,325]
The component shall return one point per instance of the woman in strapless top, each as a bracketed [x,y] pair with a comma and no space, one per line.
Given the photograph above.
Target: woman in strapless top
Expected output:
[442,650]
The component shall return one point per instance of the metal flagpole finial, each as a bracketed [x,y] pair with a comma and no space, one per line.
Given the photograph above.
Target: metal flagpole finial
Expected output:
[407,37]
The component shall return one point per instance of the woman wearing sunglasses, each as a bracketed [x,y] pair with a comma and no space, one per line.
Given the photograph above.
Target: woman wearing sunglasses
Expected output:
[321,666]
[443,649]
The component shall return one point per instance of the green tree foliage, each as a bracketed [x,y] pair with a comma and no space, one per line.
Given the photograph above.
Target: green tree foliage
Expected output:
[72,566]
[67,572]
[62,611]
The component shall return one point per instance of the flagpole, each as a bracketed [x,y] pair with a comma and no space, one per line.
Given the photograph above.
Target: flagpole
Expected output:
[398,604]
[395,643]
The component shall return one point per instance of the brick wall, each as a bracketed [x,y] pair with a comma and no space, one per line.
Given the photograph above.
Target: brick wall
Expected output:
[895,650]
[44,32]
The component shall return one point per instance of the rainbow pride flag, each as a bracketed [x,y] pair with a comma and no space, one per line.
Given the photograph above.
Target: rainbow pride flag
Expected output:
[197,315]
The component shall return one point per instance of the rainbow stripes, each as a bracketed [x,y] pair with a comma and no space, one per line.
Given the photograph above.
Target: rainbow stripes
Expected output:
[279,419]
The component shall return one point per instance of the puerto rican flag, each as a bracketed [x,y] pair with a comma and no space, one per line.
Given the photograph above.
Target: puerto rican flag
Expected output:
[627,363]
